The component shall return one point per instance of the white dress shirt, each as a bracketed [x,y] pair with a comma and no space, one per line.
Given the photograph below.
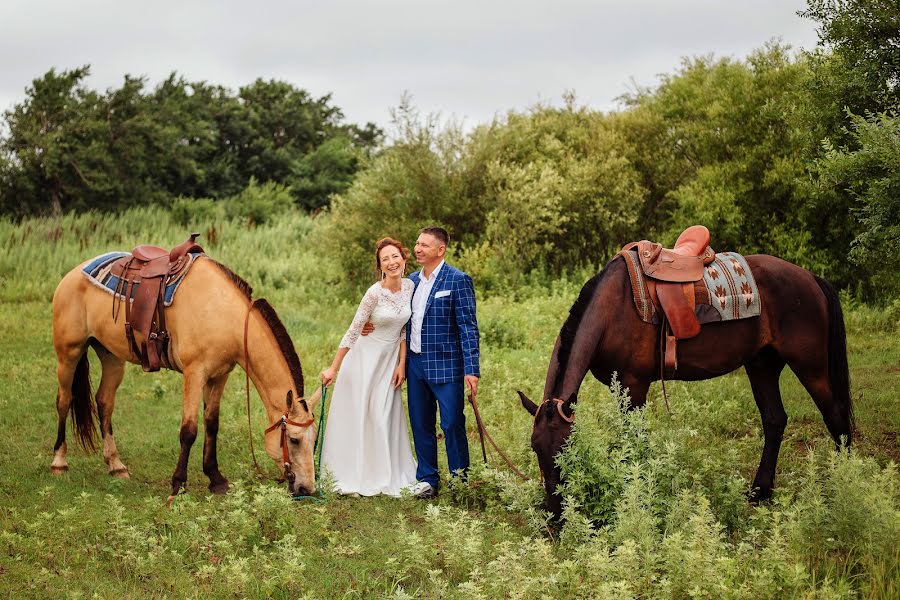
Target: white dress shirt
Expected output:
[419,302]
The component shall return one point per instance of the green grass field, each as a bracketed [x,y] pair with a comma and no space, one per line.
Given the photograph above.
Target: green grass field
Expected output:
[679,525]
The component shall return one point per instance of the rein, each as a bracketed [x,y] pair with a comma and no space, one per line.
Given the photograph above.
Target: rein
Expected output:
[282,422]
[482,432]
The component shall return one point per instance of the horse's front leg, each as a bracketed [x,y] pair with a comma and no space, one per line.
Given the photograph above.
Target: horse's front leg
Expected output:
[212,395]
[194,383]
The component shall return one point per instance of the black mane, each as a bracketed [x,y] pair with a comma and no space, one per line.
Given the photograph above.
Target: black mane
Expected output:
[284,342]
[576,315]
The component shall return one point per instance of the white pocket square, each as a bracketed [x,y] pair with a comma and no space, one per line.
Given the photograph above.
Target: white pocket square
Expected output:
[442,293]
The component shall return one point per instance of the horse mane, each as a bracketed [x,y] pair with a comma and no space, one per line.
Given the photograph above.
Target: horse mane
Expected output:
[284,341]
[236,279]
[285,344]
[576,314]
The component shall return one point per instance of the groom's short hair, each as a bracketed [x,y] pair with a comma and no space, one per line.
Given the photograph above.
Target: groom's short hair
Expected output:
[438,232]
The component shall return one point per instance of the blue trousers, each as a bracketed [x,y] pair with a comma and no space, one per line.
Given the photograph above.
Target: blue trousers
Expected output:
[424,398]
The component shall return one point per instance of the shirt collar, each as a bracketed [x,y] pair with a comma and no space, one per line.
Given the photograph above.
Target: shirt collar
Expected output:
[434,273]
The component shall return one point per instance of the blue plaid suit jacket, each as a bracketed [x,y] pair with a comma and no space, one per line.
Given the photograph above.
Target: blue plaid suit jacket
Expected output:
[449,329]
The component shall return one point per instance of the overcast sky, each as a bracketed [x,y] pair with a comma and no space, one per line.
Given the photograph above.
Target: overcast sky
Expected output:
[465,59]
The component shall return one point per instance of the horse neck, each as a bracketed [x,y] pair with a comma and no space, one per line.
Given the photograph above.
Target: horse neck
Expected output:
[565,374]
[269,370]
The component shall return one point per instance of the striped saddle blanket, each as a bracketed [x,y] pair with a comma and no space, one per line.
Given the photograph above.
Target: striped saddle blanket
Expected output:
[726,292]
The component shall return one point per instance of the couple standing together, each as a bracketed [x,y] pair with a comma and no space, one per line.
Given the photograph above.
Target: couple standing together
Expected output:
[422,329]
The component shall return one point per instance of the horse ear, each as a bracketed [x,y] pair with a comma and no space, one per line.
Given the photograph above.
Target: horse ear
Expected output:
[530,406]
[290,398]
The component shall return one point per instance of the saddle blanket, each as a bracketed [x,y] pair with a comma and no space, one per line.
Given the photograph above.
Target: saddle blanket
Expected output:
[98,272]
[727,291]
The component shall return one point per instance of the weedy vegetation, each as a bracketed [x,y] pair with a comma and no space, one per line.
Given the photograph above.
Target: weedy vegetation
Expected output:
[655,500]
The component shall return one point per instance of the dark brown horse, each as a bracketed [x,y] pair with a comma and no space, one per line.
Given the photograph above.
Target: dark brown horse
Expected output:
[801,325]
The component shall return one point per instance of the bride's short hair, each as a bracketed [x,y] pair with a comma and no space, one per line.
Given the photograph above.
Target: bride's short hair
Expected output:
[381,245]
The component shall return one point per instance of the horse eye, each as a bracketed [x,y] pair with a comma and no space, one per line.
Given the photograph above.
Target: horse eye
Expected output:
[295,441]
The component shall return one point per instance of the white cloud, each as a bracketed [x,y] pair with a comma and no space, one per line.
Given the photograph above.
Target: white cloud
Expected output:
[466,58]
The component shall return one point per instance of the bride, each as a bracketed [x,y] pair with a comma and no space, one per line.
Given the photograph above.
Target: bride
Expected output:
[366,445]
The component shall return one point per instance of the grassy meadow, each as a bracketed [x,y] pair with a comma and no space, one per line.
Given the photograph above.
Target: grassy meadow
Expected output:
[656,498]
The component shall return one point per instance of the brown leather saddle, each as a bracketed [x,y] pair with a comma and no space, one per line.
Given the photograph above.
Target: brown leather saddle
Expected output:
[671,275]
[149,268]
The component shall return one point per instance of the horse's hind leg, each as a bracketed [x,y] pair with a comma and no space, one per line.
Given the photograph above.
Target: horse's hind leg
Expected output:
[212,396]
[764,371]
[113,371]
[68,363]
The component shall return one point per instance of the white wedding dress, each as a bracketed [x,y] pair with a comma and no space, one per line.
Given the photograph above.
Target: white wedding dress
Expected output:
[366,445]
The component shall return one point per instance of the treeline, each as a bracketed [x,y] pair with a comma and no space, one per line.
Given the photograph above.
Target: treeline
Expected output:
[67,147]
[792,155]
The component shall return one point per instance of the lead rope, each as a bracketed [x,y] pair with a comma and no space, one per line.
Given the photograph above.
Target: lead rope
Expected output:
[247,388]
[320,435]
[484,434]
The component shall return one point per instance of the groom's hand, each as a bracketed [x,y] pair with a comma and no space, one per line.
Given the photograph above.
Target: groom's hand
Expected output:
[472,385]
[368,328]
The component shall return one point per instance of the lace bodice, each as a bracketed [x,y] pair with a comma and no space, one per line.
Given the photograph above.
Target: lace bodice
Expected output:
[388,312]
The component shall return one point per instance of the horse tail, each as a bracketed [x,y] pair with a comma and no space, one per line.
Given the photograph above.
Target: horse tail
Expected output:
[83,409]
[838,370]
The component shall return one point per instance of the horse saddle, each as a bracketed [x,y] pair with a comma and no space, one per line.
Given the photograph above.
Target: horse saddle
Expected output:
[148,269]
[671,274]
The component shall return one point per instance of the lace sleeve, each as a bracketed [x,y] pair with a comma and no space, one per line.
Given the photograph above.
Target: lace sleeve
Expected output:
[366,306]
[408,288]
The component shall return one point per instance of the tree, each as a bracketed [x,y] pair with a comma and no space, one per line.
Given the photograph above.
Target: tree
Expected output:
[70,148]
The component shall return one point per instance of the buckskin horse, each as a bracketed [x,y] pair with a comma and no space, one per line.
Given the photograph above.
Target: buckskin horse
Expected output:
[211,325]
[800,324]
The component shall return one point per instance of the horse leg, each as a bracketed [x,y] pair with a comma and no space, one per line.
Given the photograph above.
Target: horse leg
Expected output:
[113,372]
[764,371]
[212,395]
[66,363]
[814,378]
[192,391]
[637,391]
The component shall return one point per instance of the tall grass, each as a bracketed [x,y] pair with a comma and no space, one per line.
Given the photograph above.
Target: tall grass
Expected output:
[655,500]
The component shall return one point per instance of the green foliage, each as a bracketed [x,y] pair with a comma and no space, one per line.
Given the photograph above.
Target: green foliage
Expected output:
[862,34]
[70,148]
[869,170]
[259,204]
[655,505]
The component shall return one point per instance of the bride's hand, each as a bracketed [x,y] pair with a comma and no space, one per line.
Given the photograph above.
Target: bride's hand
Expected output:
[399,376]
[327,376]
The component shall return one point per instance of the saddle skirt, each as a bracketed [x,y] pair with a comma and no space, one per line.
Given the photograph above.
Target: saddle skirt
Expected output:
[99,271]
[147,280]
[687,287]
[726,291]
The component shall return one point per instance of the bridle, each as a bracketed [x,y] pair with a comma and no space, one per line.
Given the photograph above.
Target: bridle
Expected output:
[282,422]
[559,409]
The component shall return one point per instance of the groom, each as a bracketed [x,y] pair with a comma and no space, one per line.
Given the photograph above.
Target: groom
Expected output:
[442,358]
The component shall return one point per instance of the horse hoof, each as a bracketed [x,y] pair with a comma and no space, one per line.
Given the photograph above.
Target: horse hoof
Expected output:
[58,470]
[170,500]
[219,488]
[120,473]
